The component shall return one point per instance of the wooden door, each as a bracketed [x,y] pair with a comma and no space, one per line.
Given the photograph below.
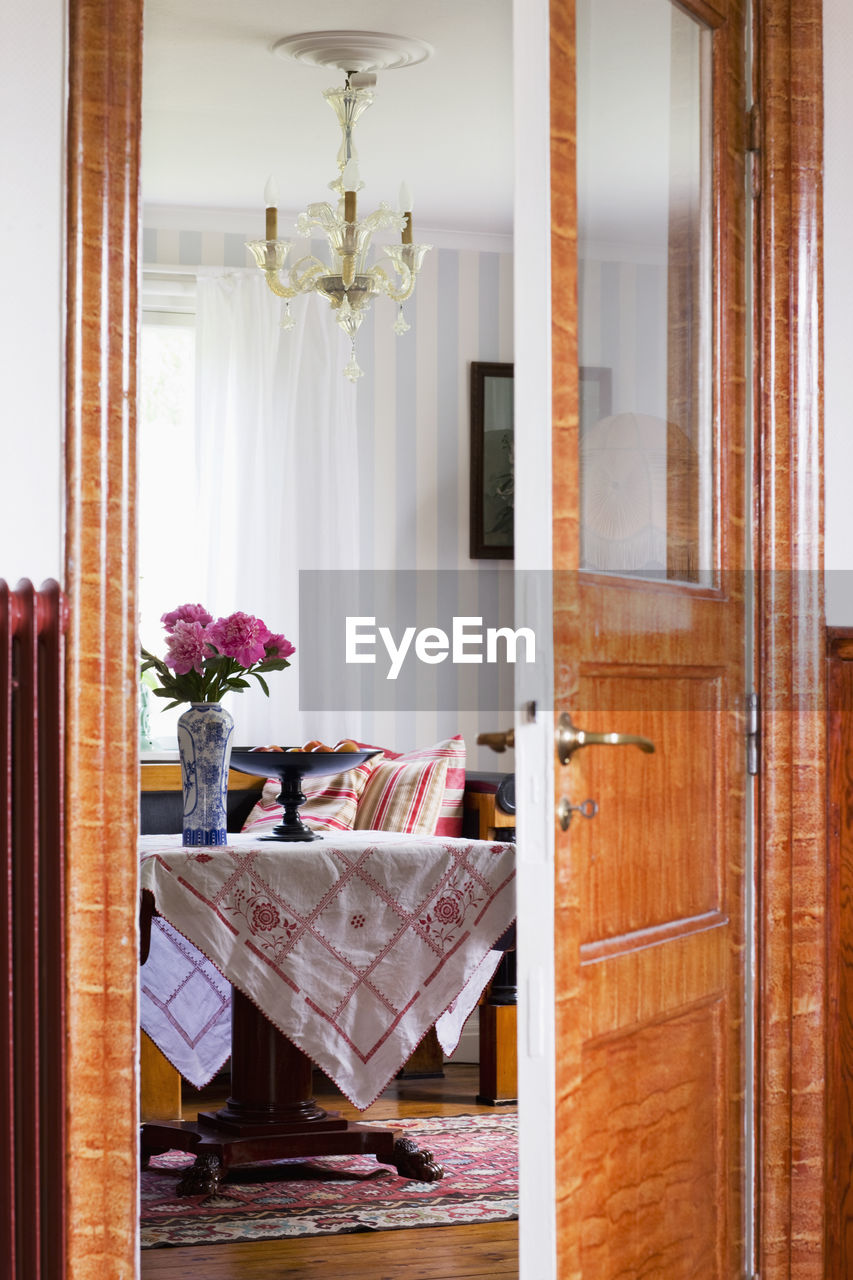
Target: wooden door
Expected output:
[649,627]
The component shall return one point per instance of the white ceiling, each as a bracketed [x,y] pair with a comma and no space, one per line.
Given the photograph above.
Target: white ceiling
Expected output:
[221,112]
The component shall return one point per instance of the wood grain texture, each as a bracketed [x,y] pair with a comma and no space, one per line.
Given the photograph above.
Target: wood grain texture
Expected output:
[498,1053]
[566,544]
[488,818]
[647,822]
[792,876]
[167,777]
[789,615]
[103,179]
[484,1251]
[651,1206]
[159,1084]
[839,932]
[650,895]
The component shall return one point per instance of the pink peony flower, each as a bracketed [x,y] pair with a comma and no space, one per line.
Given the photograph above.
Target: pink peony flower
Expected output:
[239,636]
[185,647]
[186,613]
[279,647]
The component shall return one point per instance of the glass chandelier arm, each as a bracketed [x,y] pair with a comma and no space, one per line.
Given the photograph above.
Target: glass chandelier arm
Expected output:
[318,215]
[277,286]
[381,218]
[385,284]
[305,273]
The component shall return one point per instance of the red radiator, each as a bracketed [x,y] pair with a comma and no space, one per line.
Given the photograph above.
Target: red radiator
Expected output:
[32,1146]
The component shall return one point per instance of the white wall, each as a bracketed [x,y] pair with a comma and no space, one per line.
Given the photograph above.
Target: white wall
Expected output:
[838,308]
[32,165]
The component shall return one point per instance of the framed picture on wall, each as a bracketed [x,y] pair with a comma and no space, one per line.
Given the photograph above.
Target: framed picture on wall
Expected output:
[492,461]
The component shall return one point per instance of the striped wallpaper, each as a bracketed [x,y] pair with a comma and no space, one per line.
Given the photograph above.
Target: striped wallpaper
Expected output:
[622,326]
[414,441]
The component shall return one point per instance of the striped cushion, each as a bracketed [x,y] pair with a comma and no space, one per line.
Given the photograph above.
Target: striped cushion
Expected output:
[330,803]
[419,793]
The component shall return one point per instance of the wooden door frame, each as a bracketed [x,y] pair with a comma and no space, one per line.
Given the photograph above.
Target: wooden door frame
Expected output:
[102,783]
[791,849]
[102,775]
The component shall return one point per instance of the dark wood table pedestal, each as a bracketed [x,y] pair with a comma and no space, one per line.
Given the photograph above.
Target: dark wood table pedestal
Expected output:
[498,1035]
[271,1115]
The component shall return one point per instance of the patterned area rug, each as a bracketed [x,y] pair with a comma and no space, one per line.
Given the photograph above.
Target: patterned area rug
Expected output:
[338,1194]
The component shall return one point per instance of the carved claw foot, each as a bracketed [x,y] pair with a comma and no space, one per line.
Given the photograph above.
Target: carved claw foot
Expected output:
[202,1178]
[411,1162]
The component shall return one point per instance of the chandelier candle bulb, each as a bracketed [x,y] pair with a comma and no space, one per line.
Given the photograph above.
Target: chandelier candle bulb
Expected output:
[271,203]
[405,204]
[351,182]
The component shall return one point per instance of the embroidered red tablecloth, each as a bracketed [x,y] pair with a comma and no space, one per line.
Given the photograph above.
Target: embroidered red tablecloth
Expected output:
[353,946]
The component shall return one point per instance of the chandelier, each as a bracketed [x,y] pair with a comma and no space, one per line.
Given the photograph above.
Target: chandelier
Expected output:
[346,280]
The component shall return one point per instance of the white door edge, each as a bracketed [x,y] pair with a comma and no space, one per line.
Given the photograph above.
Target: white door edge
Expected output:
[534,749]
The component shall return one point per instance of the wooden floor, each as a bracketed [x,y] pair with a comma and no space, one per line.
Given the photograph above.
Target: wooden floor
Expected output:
[487,1251]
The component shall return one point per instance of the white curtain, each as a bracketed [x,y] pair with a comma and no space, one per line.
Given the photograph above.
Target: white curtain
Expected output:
[278,476]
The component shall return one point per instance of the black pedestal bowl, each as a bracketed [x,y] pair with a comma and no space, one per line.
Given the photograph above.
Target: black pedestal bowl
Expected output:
[290,767]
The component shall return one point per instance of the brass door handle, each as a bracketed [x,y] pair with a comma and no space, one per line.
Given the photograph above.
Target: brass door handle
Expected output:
[497,741]
[571,739]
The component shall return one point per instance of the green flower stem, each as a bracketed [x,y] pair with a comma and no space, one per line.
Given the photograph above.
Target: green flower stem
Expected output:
[220,675]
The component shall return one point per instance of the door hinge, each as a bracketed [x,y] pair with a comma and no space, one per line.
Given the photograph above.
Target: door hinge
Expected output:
[753,730]
[753,147]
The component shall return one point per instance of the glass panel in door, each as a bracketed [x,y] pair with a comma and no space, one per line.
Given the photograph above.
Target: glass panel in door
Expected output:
[645,225]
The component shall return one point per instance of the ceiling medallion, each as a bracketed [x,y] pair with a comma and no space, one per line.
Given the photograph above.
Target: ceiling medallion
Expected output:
[361,51]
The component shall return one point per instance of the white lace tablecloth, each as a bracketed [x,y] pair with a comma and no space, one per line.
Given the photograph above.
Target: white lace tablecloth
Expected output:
[353,946]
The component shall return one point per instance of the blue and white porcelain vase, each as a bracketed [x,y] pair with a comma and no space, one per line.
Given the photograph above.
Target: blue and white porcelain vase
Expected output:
[204,745]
